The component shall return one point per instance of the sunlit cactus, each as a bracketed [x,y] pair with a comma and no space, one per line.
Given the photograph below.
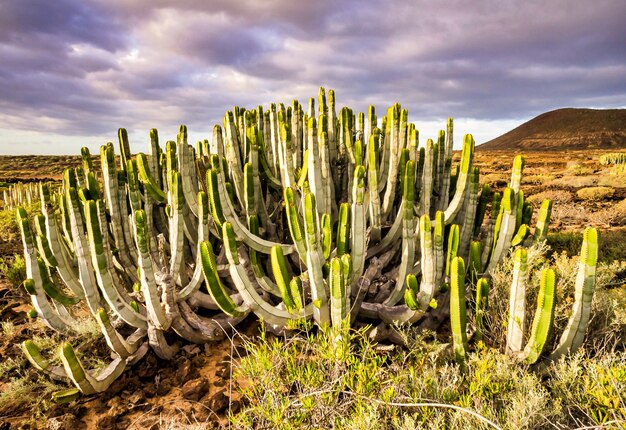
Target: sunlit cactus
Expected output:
[293,215]
[543,322]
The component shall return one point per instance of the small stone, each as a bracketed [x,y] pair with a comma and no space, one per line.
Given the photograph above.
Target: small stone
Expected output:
[183,372]
[218,401]
[106,423]
[223,371]
[191,350]
[137,398]
[195,389]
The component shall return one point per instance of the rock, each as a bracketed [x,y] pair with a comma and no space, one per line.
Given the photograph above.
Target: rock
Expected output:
[195,389]
[137,399]
[235,406]
[148,368]
[183,372]
[107,422]
[191,350]
[218,401]
[65,422]
[223,371]
[150,391]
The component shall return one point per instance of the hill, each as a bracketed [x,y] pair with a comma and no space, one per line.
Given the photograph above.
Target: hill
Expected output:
[568,128]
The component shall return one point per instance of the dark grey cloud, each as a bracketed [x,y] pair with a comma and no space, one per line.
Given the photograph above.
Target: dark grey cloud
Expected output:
[83,68]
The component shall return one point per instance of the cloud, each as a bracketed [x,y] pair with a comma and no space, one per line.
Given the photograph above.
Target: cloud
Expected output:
[72,69]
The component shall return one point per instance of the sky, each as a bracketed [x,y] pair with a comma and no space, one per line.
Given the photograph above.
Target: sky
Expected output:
[73,71]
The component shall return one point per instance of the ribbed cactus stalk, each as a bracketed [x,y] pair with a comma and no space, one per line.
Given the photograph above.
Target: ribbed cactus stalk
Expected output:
[458,312]
[574,333]
[517,304]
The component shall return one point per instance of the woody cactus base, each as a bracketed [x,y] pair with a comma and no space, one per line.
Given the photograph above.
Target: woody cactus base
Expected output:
[295,216]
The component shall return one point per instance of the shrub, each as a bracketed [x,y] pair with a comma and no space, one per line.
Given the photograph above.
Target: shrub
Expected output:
[595,193]
[15,271]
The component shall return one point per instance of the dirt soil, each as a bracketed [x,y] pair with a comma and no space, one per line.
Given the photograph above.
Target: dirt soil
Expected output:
[197,386]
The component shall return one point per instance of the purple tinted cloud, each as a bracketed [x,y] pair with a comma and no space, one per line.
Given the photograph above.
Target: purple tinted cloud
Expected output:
[84,68]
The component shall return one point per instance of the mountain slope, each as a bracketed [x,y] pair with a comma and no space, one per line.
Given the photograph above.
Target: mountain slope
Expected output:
[568,128]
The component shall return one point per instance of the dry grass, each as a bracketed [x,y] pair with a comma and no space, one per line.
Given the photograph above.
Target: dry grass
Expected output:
[557,196]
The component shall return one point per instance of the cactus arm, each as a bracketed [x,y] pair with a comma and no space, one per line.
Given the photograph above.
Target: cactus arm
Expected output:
[393,123]
[84,380]
[156,314]
[49,315]
[148,180]
[158,343]
[252,299]
[438,248]
[372,177]
[326,176]
[462,184]
[482,294]
[408,240]
[81,249]
[544,318]
[521,234]
[51,290]
[543,220]
[391,238]
[428,263]
[122,347]
[574,333]
[313,262]
[34,283]
[257,268]
[63,257]
[358,237]
[203,234]
[517,304]
[287,174]
[281,275]
[507,227]
[485,194]
[338,308]
[154,156]
[103,270]
[411,293]
[188,174]
[177,239]
[475,265]
[516,174]
[343,229]
[132,181]
[314,167]
[214,284]
[293,220]
[125,154]
[241,231]
[440,177]
[427,179]
[458,318]
[471,204]
[33,354]
[233,155]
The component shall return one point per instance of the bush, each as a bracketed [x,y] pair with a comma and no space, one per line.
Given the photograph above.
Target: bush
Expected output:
[595,193]
[15,271]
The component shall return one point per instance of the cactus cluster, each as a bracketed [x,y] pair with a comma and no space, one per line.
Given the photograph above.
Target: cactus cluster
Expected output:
[294,215]
[613,158]
[543,321]
[20,194]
